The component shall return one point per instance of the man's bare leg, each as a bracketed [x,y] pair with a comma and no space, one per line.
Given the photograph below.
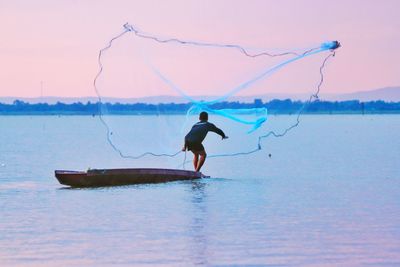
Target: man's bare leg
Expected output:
[195,159]
[200,163]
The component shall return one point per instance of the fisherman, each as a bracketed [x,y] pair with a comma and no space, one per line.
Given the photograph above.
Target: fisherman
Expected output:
[194,139]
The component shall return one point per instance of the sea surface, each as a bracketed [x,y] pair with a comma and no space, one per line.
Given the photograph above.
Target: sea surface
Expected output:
[326,194]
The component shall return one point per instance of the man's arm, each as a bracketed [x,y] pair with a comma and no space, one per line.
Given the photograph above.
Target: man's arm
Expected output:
[217,130]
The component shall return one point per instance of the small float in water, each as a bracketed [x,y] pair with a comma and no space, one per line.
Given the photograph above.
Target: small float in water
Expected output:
[115,177]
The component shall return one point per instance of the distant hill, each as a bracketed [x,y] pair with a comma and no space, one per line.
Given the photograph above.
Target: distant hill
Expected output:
[388,94]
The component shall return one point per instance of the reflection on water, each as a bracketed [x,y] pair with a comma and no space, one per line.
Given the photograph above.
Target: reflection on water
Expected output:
[328,197]
[198,223]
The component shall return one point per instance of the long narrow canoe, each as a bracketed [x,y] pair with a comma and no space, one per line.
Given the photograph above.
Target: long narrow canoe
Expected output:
[113,177]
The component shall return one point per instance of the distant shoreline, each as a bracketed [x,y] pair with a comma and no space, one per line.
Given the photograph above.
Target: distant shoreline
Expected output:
[270,113]
[274,107]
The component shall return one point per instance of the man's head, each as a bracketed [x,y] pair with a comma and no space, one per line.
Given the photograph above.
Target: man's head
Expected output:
[203,116]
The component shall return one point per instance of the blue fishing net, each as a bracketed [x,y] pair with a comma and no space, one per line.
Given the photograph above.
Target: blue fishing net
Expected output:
[153,67]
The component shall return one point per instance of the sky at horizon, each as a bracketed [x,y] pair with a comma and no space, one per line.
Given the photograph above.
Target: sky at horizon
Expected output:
[50,48]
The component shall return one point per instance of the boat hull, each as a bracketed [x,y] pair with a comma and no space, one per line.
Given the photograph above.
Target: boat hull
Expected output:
[115,177]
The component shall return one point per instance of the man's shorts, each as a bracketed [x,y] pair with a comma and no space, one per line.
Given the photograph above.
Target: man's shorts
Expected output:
[194,146]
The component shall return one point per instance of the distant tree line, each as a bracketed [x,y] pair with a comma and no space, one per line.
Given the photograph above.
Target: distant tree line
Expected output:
[274,107]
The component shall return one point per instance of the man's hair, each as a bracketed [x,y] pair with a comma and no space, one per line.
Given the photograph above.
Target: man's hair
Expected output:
[203,116]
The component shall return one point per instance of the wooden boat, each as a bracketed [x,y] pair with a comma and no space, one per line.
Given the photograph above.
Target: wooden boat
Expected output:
[113,177]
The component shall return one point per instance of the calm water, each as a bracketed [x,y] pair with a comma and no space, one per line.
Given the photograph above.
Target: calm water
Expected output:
[328,196]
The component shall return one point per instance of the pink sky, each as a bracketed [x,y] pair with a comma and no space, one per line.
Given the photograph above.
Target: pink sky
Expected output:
[57,42]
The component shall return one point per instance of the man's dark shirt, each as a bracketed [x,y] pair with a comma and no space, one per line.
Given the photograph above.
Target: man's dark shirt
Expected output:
[200,130]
